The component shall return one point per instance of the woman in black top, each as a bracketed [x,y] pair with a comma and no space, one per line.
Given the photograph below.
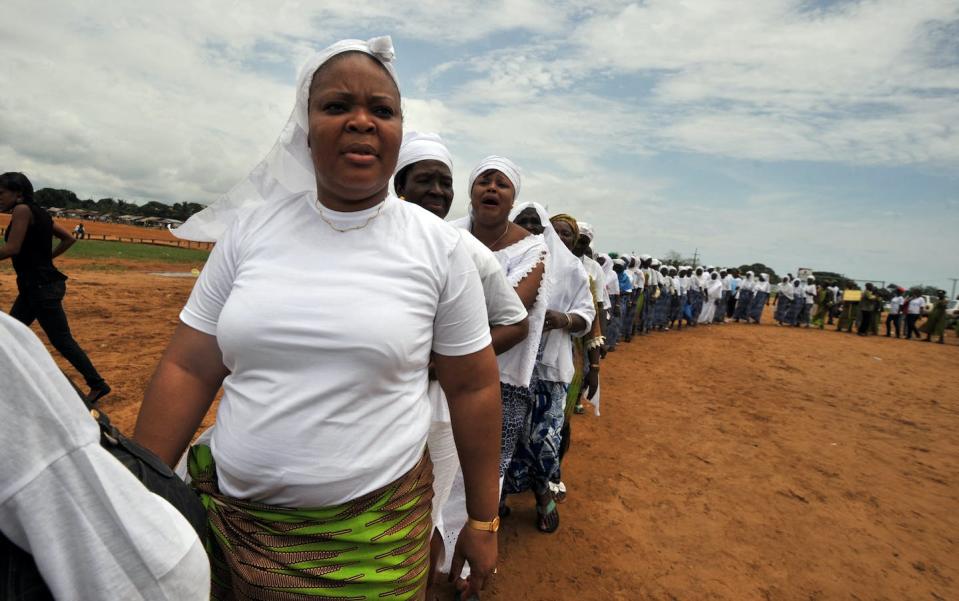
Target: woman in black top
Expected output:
[28,243]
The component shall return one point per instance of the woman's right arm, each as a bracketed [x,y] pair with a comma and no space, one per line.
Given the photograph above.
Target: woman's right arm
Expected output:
[528,287]
[180,393]
[65,237]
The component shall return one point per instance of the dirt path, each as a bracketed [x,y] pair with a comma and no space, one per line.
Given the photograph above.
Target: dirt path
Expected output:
[733,462]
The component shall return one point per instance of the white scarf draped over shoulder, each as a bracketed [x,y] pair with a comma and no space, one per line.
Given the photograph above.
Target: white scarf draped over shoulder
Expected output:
[568,292]
[287,169]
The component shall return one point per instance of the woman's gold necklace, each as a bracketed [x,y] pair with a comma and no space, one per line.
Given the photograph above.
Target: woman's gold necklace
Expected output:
[355,227]
[495,242]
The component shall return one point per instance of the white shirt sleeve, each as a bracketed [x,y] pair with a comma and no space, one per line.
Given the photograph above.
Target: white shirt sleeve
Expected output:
[461,325]
[94,530]
[582,301]
[612,284]
[213,287]
[503,305]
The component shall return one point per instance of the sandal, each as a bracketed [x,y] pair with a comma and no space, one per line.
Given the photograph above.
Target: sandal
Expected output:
[545,515]
[579,409]
[559,492]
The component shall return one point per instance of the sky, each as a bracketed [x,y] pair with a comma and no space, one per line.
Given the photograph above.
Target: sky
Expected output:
[820,134]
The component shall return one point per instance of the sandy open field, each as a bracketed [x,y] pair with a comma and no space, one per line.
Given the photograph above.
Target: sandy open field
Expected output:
[109,229]
[732,462]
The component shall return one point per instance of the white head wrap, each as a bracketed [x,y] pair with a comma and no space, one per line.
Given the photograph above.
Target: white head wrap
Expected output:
[418,147]
[288,168]
[655,263]
[607,263]
[585,229]
[645,257]
[501,164]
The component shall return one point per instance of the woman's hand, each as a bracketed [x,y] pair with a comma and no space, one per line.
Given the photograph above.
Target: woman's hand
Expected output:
[555,320]
[481,549]
[592,382]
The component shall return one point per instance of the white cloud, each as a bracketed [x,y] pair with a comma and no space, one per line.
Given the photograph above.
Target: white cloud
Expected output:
[859,83]
[175,102]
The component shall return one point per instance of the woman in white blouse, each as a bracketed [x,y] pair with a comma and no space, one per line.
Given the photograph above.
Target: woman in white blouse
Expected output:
[318,312]
[570,312]
[494,186]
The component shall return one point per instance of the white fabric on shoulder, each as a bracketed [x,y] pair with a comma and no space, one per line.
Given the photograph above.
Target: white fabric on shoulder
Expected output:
[568,293]
[287,170]
[517,261]
[597,280]
[94,530]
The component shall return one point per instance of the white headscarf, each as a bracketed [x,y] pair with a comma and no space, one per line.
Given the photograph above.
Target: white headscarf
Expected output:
[585,229]
[418,147]
[607,264]
[504,166]
[288,168]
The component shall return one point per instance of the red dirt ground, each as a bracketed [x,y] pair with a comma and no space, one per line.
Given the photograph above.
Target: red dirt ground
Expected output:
[731,462]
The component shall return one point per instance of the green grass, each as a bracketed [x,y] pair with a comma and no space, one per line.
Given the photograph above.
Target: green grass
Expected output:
[96,250]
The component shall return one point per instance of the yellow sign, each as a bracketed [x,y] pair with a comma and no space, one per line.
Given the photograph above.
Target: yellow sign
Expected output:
[851,296]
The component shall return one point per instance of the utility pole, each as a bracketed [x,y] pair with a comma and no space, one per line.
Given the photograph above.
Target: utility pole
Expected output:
[696,259]
[954,280]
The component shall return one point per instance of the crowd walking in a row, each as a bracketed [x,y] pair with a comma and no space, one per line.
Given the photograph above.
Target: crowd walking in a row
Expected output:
[389,379]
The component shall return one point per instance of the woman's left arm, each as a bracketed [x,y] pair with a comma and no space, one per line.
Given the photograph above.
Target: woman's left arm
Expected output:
[471,384]
[19,221]
[66,240]
[466,368]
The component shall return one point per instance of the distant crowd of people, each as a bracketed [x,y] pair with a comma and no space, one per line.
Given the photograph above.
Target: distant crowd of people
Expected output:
[862,309]
[647,295]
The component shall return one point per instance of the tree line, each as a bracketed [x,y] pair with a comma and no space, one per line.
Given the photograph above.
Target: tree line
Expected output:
[65,199]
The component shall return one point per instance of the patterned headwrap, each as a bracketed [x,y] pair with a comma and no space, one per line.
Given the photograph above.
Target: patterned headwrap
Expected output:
[568,219]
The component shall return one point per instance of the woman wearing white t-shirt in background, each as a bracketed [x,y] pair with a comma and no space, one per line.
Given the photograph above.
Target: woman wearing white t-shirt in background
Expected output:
[318,312]
[914,308]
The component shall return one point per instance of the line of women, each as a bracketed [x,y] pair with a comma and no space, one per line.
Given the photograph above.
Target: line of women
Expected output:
[648,295]
[388,379]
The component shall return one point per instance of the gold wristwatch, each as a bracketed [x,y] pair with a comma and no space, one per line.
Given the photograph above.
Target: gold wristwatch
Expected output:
[484,526]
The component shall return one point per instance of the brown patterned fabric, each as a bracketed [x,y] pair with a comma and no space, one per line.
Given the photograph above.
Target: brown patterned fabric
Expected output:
[374,547]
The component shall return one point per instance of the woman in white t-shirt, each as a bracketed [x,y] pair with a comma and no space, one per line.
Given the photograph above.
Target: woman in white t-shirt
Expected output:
[318,312]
